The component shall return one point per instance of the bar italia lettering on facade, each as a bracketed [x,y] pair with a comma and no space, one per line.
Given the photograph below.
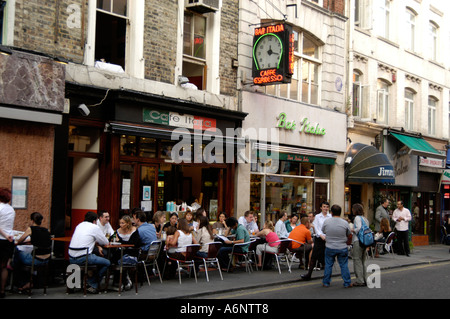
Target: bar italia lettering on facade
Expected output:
[273,55]
[179,120]
[304,126]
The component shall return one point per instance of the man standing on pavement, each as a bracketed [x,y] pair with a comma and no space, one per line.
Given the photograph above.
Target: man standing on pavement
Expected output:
[381,213]
[402,216]
[337,231]
[318,252]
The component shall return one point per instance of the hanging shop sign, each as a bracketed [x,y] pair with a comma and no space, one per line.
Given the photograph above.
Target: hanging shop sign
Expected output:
[273,54]
[179,120]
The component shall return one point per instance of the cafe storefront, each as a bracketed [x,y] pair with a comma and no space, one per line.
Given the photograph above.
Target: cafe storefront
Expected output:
[296,154]
[148,152]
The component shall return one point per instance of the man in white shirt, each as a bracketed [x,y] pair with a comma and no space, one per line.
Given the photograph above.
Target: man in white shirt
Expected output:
[318,252]
[280,226]
[86,235]
[103,223]
[248,222]
[402,216]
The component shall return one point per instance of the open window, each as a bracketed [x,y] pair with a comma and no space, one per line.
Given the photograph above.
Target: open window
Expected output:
[111,31]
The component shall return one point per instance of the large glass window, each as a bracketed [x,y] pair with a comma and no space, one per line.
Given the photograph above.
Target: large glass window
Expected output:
[409,109]
[382,102]
[432,103]
[305,81]
[84,139]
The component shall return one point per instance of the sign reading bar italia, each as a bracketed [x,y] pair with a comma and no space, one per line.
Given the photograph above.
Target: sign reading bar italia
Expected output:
[179,120]
[273,54]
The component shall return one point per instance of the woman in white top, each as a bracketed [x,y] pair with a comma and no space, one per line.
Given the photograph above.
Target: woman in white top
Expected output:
[7,216]
[203,235]
[180,239]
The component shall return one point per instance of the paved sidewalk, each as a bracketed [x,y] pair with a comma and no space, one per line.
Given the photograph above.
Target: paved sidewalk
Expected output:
[239,279]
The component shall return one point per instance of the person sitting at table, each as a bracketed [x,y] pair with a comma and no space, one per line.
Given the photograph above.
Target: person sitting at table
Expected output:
[189,216]
[268,232]
[302,234]
[103,223]
[173,220]
[280,226]
[203,235]
[159,219]
[382,235]
[242,236]
[220,224]
[147,232]
[248,221]
[291,223]
[175,244]
[88,234]
[199,212]
[38,236]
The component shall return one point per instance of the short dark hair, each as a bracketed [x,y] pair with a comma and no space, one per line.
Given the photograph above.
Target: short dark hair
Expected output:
[231,221]
[324,203]
[336,210]
[37,218]
[101,212]
[90,217]
[5,195]
[140,215]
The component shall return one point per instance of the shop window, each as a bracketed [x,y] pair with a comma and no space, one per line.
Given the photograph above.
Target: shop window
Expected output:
[194,49]
[305,81]
[138,146]
[84,139]
[111,30]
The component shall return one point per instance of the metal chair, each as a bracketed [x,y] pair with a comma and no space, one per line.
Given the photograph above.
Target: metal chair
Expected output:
[213,249]
[121,266]
[242,254]
[85,267]
[282,253]
[151,259]
[188,260]
[33,269]
[388,244]
[296,253]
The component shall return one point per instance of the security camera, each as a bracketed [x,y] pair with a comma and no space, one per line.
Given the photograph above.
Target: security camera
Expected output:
[83,109]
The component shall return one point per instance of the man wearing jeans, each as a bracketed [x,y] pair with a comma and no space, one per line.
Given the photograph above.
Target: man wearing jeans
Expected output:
[88,234]
[337,231]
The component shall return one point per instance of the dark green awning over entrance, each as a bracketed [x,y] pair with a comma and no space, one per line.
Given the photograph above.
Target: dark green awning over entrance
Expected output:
[418,146]
[366,164]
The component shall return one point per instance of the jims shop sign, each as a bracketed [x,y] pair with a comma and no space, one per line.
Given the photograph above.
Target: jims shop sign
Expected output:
[179,120]
[273,54]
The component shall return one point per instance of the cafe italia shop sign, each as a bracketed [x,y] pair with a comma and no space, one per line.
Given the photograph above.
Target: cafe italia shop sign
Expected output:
[304,125]
[179,120]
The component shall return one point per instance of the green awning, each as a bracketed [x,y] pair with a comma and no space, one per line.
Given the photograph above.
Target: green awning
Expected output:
[418,146]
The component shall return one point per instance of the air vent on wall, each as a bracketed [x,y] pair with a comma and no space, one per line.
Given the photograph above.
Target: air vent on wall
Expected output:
[202,6]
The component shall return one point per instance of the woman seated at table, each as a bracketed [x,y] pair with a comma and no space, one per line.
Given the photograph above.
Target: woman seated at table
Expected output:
[268,232]
[189,216]
[175,244]
[203,235]
[382,235]
[173,220]
[39,237]
[220,224]
[159,219]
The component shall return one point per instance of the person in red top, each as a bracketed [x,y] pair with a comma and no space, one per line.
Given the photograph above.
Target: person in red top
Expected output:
[302,235]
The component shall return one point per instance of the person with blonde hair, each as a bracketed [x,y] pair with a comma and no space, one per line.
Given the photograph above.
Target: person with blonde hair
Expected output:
[271,244]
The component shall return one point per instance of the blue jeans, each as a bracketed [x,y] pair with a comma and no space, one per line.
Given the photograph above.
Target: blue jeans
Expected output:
[342,257]
[93,259]
[25,258]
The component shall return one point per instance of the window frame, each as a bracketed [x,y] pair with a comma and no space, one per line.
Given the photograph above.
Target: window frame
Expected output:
[382,111]
[433,33]
[411,23]
[432,108]
[409,109]
[383,21]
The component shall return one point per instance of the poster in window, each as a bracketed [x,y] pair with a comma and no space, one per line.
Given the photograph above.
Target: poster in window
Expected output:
[19,192]
[146,193]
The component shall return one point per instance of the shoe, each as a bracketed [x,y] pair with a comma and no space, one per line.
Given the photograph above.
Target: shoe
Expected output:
[305,277]
[359,284]
[325,286]
[349,286]
[92,290]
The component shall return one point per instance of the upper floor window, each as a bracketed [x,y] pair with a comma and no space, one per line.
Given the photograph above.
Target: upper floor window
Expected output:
[360,97]
[433,40]
[2,15]
[382,102]
[383,18]
[432,104]
[410,31]
[111,31]
[305,84]
[194,49]
[409,109]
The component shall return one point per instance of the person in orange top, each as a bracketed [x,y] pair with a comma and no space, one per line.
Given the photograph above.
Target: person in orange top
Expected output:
[302,235]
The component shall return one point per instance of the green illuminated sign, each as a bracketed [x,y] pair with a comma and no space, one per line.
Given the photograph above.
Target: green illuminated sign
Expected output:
[304,126]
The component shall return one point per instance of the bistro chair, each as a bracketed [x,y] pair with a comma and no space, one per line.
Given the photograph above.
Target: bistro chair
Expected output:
[151,259]
[282,254]
[127,266]
[188,260]
[387,245]
[213,249]
[84,268]
[242,254]
[34,269]
[296,254]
